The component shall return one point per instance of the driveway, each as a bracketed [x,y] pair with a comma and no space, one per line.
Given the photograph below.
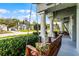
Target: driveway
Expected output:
[14,33]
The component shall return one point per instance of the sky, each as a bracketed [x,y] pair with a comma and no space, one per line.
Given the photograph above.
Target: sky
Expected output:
[19,10]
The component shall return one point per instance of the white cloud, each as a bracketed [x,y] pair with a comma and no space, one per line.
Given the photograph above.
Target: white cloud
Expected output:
[26,14]
[22,11]
[3,11]
[22,17]
[28,11]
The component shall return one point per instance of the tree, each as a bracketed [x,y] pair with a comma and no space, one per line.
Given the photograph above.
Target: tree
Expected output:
[2,21]
[16,22]
[37,27]
[9,22]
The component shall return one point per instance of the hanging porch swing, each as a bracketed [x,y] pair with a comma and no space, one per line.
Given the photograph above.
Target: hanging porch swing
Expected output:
[44,49]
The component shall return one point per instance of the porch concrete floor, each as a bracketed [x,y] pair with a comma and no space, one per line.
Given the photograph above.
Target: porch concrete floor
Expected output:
[68,47]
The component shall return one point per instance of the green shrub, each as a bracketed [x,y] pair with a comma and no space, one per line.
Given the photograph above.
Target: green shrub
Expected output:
[36,33]
[15,46]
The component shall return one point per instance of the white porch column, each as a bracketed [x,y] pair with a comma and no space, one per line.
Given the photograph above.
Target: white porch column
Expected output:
[61,29]
[50,16]
[77,29]
[71,27]
[43,27]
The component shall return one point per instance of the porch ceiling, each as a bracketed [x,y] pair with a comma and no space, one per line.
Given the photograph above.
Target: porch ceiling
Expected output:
[52,8]
[60,7]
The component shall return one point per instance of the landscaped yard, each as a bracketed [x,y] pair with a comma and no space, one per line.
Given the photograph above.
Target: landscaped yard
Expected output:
[15,43]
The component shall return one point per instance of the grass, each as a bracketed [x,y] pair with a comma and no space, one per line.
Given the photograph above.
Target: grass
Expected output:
[27,30]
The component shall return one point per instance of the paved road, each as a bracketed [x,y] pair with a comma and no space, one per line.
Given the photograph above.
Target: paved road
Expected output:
[14,33]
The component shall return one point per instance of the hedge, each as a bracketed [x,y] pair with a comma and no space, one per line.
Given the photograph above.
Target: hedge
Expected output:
[15,46]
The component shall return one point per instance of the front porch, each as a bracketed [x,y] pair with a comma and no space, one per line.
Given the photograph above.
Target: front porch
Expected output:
[66,14]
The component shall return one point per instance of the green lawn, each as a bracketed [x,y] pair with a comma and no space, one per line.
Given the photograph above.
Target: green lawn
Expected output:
[27,30]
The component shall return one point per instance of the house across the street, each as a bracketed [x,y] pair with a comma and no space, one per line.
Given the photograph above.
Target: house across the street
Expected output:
[3,27]
[22,27]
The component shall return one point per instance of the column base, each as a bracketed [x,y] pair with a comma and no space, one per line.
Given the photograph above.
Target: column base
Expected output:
[51,35]
[43,38]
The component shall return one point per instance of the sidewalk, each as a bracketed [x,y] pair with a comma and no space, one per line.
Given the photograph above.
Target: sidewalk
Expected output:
[14,33]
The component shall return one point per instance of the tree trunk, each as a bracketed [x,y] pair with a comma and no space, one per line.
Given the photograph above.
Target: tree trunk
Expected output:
[7,28]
